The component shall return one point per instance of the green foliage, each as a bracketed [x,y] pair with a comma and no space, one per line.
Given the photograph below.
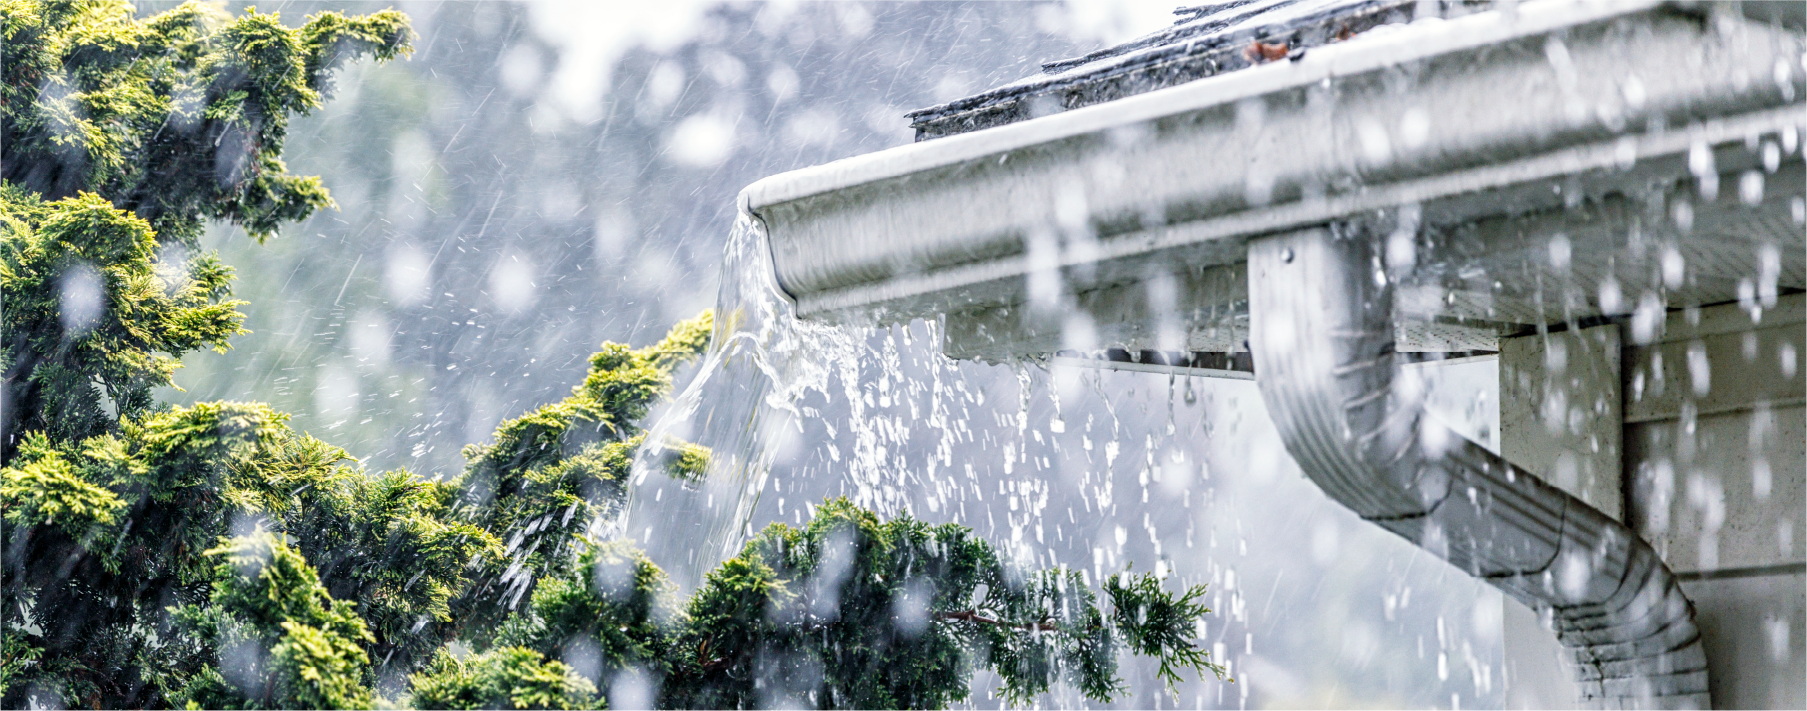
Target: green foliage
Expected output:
[505,678]
[553,472]
[1154,623]
[177,118]
[16,656]
[119,138]
[280,640]
[42,486]
[392,543]
[610,596]
[95,314]
[388,542]
[211,556]
[851,612]
[848,611]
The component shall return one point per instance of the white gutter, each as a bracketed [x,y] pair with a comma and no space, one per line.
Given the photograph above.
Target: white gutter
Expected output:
[1467,117]
[1500,114]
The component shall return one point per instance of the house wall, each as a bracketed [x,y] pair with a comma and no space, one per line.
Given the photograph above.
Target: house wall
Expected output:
[1560,404]
[1699,442]
[1716,479]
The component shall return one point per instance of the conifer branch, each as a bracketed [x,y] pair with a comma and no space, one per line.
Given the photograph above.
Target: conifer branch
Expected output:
[974,616]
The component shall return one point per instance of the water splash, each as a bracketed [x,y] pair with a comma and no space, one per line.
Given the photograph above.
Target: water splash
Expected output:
[890,413]
[741,404]
[1089,469]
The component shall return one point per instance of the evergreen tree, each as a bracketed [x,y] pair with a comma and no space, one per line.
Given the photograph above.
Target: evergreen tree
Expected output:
[171,121]
[211,556]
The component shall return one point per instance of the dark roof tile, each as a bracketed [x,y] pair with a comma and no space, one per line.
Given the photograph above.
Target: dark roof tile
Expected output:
[1206,41]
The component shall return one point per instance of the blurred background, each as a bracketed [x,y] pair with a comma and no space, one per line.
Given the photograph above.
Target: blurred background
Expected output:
[541,177]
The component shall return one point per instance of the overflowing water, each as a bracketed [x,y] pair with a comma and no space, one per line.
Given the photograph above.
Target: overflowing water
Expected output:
[765,386]
[1097,470]
[741,404]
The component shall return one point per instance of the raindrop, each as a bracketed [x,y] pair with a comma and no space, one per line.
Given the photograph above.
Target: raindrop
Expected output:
[1699,371]
[511,283]
[1415,127]
[1776,632]
[631,689]
[783,82]
[1683,214]
[1762,480]
[522,69]
[1401,250]
[408,274]
[663,85]
[584,657]
[1647,320]
[1375,145]
[702,141]
[1700,164]
[911,609]
[1707,498]
[1559,252]
[80,297]
[1573,577]
[1673,267]
[1611,300]
[1750,187]
[1769,261]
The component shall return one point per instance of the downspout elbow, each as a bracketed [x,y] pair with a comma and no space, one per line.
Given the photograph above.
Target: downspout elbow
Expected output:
[1321,334]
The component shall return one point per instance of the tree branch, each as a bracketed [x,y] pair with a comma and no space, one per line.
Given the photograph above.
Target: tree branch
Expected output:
[973,616]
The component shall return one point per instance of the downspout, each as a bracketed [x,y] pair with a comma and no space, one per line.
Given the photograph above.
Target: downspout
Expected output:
[1321,333]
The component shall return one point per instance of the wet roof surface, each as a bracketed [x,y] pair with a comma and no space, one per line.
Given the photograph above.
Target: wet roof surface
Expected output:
[1204,41]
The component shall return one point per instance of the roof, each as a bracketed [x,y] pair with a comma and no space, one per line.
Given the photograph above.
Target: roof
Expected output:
[1495,130]
[1206,40]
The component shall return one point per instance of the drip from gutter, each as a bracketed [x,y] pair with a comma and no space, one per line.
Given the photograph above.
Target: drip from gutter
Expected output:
[1322,338]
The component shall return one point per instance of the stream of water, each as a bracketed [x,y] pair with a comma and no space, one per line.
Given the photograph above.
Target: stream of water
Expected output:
[1091,469]
[742,398]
